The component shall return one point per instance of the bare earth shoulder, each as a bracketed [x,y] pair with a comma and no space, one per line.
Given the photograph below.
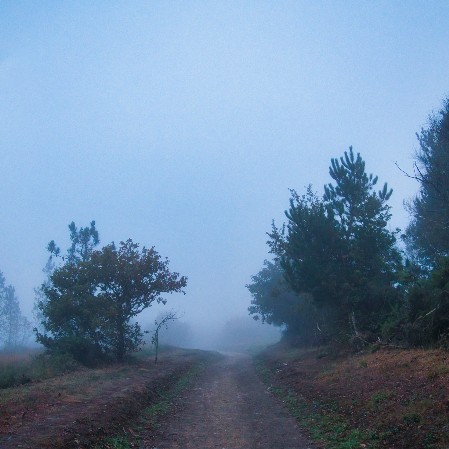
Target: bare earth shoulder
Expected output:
[78,410]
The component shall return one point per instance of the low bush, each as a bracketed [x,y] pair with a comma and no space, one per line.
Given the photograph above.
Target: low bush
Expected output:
[20,369]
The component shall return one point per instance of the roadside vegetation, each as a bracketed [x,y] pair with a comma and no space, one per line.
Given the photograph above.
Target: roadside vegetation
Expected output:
[88,305]
[373,299]
[388,398]
[28,366]
[94,406]
[341,276]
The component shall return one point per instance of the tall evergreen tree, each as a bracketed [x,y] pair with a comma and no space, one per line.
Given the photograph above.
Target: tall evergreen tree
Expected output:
[339,249]
[310,248]
[372,259]
[427,236]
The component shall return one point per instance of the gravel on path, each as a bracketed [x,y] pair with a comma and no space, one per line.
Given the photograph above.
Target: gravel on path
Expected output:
[229,408]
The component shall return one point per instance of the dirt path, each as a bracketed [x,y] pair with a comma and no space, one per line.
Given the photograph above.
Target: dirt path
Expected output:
[229,408]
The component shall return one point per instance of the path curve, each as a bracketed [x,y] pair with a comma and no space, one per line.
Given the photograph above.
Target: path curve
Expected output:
[229,408]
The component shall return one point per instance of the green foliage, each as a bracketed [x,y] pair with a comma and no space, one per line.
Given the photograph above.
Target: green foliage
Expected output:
[424,317]
[12,376]
[35,368]
[275,304]
[336,254]
[427,308]
[412,418]
[379,398]
[90,300]
[427,235]
[363,364]
[83,242]
[337,268]
[313,250]
[45,366]
[266,287]
[371,261]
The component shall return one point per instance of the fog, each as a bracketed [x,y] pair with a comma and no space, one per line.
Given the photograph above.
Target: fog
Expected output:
[238,334]
[183,125]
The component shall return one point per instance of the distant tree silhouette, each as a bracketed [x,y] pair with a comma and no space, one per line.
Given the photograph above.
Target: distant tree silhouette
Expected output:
[15,328]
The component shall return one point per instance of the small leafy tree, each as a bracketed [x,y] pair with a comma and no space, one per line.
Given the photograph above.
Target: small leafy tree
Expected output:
[130,279]
[91,300]
[170,316]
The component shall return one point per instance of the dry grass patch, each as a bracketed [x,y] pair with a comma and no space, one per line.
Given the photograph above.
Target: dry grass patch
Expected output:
[394,398]
[79,408]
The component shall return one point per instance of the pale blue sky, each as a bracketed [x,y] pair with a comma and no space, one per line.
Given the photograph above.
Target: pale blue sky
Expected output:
[183,124]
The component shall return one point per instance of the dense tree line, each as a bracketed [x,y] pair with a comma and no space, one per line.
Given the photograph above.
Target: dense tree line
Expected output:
[339,272]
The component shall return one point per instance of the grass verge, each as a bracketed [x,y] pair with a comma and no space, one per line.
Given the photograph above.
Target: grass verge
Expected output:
[323,424]
[152,416]
[382,399]
[30,366]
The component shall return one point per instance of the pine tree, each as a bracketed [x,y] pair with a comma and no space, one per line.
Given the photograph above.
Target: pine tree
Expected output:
[427,236]
[371,260]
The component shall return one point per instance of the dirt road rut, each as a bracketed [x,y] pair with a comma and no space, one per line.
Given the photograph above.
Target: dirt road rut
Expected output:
[229,408]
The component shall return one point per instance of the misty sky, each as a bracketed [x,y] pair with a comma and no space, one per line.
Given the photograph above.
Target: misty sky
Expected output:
[183,124]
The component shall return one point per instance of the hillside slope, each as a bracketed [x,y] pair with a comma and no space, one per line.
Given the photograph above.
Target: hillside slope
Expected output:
[387,399]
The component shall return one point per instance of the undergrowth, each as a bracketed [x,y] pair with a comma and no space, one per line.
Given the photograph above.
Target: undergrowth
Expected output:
[33,368]
[23,368]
